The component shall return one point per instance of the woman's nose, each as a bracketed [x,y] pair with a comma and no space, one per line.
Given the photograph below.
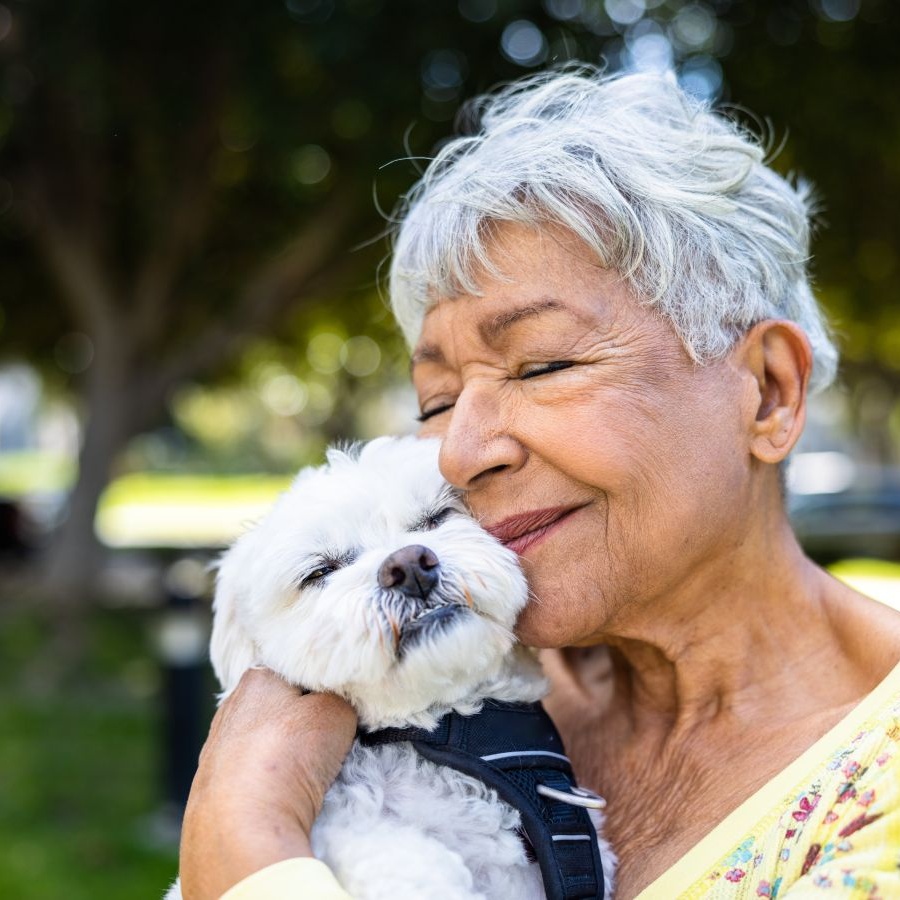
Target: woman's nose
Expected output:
[477,442]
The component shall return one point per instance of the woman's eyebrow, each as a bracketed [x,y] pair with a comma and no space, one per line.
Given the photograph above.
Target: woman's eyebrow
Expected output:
[495,326]
[491,329]
[426,353]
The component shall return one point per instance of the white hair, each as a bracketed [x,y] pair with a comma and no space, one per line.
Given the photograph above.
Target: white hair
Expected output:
[671,195]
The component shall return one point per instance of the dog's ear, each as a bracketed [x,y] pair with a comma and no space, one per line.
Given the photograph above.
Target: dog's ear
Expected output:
[231,649]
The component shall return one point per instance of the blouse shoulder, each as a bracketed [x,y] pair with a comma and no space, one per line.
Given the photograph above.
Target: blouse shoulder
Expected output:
[307,877]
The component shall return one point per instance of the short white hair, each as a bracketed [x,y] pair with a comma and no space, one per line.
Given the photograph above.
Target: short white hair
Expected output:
[674,197]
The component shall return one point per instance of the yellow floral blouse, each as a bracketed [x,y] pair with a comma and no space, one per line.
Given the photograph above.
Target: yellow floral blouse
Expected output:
[827,826]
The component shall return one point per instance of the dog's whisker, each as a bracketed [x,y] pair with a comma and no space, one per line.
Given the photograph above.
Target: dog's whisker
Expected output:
[395,629]
[372,624]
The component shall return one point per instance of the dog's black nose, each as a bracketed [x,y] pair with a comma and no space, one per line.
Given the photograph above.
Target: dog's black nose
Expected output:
[413,570]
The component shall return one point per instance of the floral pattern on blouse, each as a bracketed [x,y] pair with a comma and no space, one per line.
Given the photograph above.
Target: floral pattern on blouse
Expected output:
[836,835]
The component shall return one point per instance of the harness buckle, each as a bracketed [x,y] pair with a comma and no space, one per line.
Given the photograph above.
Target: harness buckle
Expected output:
[578,797]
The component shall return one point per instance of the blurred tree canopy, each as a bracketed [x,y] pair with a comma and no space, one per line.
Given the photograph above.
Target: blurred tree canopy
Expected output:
[176,179]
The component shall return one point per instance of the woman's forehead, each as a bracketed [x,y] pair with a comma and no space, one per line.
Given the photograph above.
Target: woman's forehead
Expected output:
[538,297]
[526,264]
[492,320]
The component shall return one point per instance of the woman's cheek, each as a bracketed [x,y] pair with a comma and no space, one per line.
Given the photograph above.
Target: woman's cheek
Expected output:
[435,427]
[546,625]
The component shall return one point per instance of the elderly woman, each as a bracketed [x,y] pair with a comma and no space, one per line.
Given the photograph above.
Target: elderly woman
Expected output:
[606,292]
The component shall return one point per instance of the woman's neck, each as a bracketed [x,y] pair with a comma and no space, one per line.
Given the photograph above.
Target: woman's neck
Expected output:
[760,625]
[715,693]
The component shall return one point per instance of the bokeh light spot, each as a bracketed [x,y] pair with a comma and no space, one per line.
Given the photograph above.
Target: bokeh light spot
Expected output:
[701,76]
[320,405]
[237,133]
[694,27]
[477,10]
[564,10]
[74,352]
[522,42]
[649,49]
[360,356]
[311,164]
[625,12]
[839,10]
[324,352]
[442,74]
[285,395]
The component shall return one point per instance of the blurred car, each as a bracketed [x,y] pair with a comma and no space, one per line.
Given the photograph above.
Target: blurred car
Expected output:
[853,523]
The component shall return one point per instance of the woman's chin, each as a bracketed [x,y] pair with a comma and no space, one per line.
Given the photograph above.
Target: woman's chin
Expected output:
[544,627]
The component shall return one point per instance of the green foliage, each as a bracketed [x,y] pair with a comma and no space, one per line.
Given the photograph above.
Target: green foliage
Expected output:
[829,87]
[250,115]
[262,112]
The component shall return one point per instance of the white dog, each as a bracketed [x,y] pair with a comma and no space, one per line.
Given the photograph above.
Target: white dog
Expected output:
[369,579]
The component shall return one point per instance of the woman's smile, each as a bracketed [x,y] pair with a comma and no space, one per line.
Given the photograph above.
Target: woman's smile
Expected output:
[522,532]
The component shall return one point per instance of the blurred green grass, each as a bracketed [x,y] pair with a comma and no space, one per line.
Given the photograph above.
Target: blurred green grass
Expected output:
[79,764]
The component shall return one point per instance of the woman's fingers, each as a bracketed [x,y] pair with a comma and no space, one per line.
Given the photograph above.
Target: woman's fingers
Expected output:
[270,757]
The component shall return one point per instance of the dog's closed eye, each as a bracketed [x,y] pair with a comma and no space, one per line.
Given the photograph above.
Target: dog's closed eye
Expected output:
[317,574]
[322,568]
[432,520]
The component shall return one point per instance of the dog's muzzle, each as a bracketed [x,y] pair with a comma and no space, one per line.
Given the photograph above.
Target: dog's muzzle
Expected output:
[417,601]
[412,570]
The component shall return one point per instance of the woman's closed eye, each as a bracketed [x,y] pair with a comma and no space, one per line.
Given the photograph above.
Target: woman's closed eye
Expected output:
[532,370]
[427,414]
[529,370]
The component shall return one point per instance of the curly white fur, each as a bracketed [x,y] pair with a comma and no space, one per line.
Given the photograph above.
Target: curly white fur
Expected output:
[300,593]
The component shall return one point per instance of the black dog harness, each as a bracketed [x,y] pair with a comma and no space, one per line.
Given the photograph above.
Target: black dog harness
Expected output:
[515,749]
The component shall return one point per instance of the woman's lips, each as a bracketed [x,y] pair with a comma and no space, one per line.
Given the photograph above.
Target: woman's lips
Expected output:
[521,532]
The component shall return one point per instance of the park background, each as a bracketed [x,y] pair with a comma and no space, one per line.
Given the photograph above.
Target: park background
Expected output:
[194,200]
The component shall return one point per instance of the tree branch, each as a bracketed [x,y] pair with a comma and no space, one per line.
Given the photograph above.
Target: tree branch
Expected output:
[187,215]
[276,286]
[154,289]
[72,259]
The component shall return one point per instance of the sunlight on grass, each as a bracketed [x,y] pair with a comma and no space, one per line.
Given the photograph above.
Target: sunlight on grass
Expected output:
[157,510]
[875,578]
[34,471]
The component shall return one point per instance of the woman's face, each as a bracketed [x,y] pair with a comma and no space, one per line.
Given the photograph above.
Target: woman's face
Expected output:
[584,436]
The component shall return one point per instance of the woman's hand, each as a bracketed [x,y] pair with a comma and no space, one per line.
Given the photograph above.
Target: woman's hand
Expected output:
[270,757]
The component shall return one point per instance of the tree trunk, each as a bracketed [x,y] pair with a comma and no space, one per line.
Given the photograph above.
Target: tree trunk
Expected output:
[76,555]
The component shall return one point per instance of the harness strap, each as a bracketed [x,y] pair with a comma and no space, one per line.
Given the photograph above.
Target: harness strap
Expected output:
[514,748]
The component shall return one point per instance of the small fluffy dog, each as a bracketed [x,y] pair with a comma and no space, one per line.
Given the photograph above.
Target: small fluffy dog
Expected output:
[369,579]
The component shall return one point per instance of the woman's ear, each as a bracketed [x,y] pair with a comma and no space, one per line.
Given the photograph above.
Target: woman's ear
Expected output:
[231,649]
[778,358]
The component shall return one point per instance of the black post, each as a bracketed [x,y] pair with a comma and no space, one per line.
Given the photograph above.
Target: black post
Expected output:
[182,639]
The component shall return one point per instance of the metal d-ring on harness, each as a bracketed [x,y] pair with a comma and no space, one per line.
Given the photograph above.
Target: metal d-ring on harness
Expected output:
[579,797]
[515,749]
